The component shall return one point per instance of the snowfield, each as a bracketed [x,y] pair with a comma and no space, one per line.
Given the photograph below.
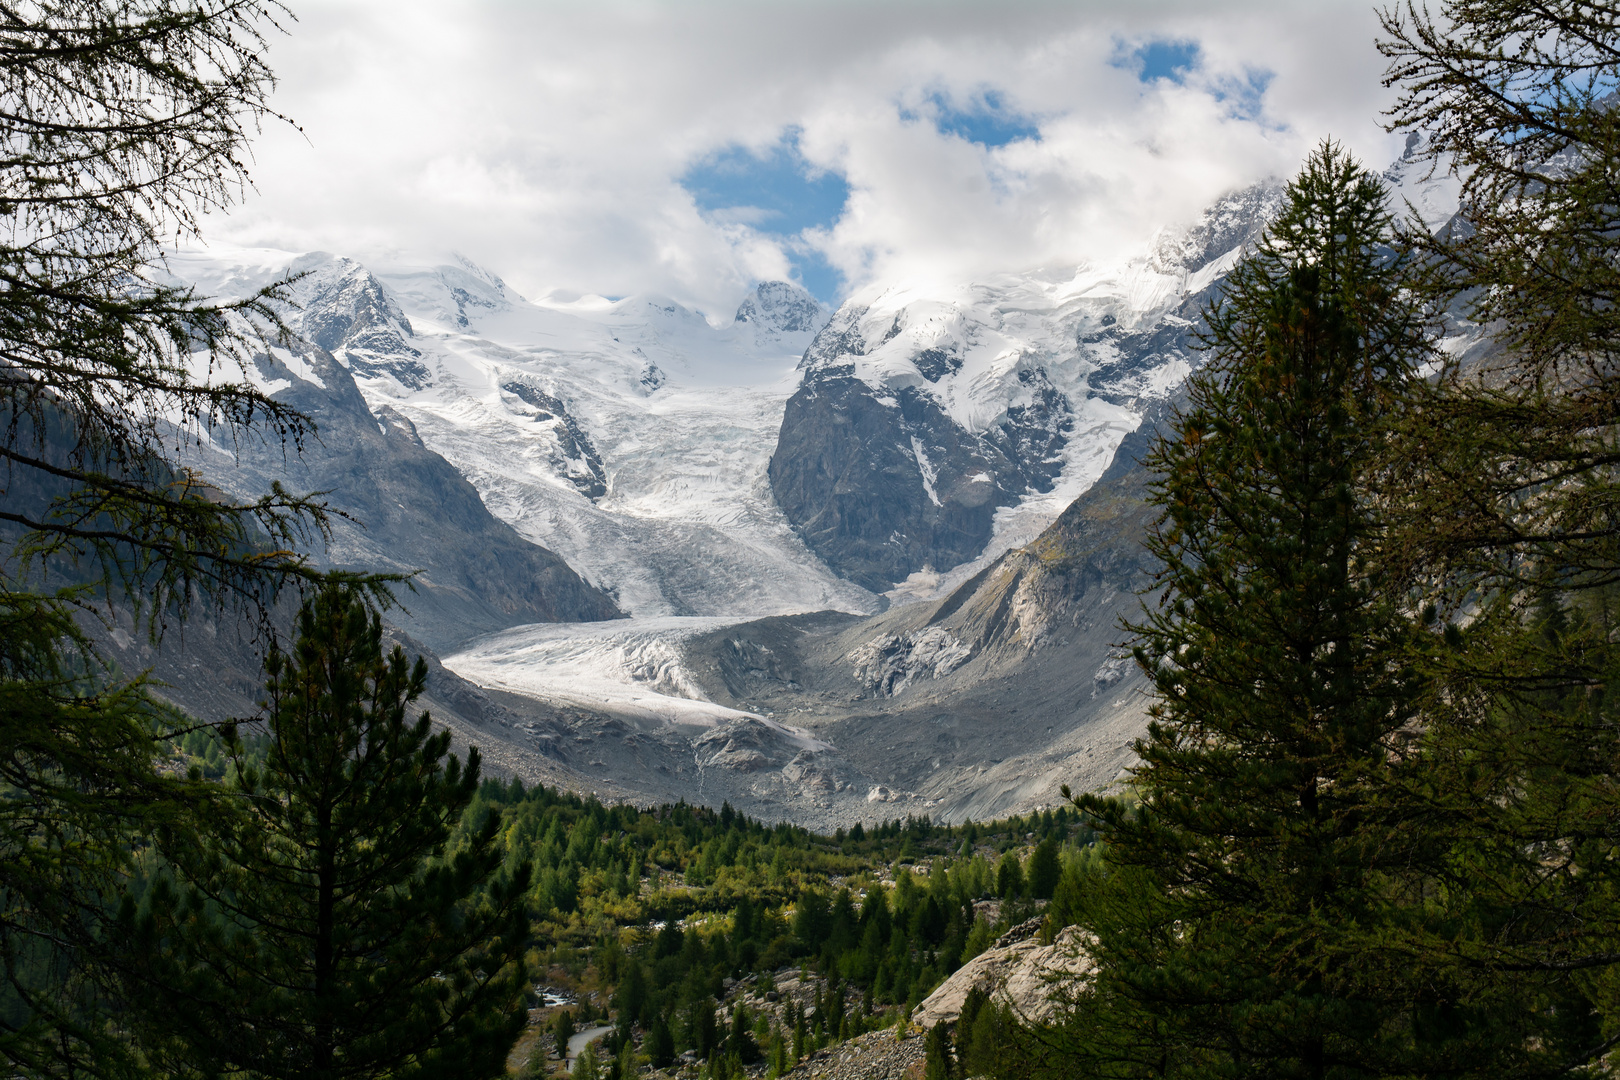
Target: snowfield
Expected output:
[631,666]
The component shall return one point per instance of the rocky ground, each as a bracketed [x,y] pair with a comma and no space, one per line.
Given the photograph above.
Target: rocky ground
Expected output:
[877,1055]
[1017,968]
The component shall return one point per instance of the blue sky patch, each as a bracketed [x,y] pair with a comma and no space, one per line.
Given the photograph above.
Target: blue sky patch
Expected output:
[1161,60]
[1243,97]
[779,193]
[986,120]
[812,270]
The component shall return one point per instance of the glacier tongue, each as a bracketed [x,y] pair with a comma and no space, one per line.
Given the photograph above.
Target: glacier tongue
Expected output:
[632,667]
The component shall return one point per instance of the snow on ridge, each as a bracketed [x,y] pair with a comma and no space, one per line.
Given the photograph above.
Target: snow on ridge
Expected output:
[986,333]
[1429,188]
[683,414]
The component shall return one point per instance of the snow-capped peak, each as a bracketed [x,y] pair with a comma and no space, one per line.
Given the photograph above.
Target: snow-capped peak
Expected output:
[782,307]
[1418,183]
[1232,222]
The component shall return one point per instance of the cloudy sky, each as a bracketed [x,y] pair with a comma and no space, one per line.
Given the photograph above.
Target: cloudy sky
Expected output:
[692,148]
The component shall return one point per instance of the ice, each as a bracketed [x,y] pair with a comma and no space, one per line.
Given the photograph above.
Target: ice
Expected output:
[630,666]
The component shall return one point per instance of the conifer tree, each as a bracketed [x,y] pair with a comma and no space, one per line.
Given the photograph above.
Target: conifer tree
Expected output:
[121,123]
[740,1042]
[705,1033]
[1232,933]
[319,927]
[937,1053]
[660,1044]
[562,1029]
[1009,877]
[1045,869]
[1506,500]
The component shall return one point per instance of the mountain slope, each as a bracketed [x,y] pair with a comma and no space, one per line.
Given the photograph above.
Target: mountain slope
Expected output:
[630,437]
[405,508]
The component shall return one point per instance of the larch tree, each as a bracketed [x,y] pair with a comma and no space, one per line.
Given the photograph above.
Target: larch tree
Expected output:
[1506,504]
[121,124]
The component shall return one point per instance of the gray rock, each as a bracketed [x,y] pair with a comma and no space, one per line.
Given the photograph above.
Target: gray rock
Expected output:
[880,486]
[573,456]
[347,311]
[1029,976]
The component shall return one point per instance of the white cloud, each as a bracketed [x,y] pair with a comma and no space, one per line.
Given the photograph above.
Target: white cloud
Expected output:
[546,140]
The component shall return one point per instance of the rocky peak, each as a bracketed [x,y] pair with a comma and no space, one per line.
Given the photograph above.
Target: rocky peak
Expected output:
[1233,221]
[781,307]
[344,302]
[347,311]
[839,338]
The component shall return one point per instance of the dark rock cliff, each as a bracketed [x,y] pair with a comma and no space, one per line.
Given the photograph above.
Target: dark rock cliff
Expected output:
[880,487]
[881,481]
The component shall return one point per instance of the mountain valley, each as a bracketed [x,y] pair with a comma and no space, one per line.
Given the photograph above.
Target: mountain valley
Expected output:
[829,566]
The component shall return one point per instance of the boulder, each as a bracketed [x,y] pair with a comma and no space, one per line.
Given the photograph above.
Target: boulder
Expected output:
[1022,972]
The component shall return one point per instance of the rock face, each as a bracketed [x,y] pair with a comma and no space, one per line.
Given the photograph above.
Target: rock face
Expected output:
[1023,973]
[881,482]
[882,486]
[343,309]
[574,456]
[1230,224]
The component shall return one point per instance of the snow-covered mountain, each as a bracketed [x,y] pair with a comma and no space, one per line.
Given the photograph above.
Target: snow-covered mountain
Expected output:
[724,479]
[630,437]
[690,467]
[938,427]
[781,459]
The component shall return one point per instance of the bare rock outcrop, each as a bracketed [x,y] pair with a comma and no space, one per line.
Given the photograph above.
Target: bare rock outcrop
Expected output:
[1018,970]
